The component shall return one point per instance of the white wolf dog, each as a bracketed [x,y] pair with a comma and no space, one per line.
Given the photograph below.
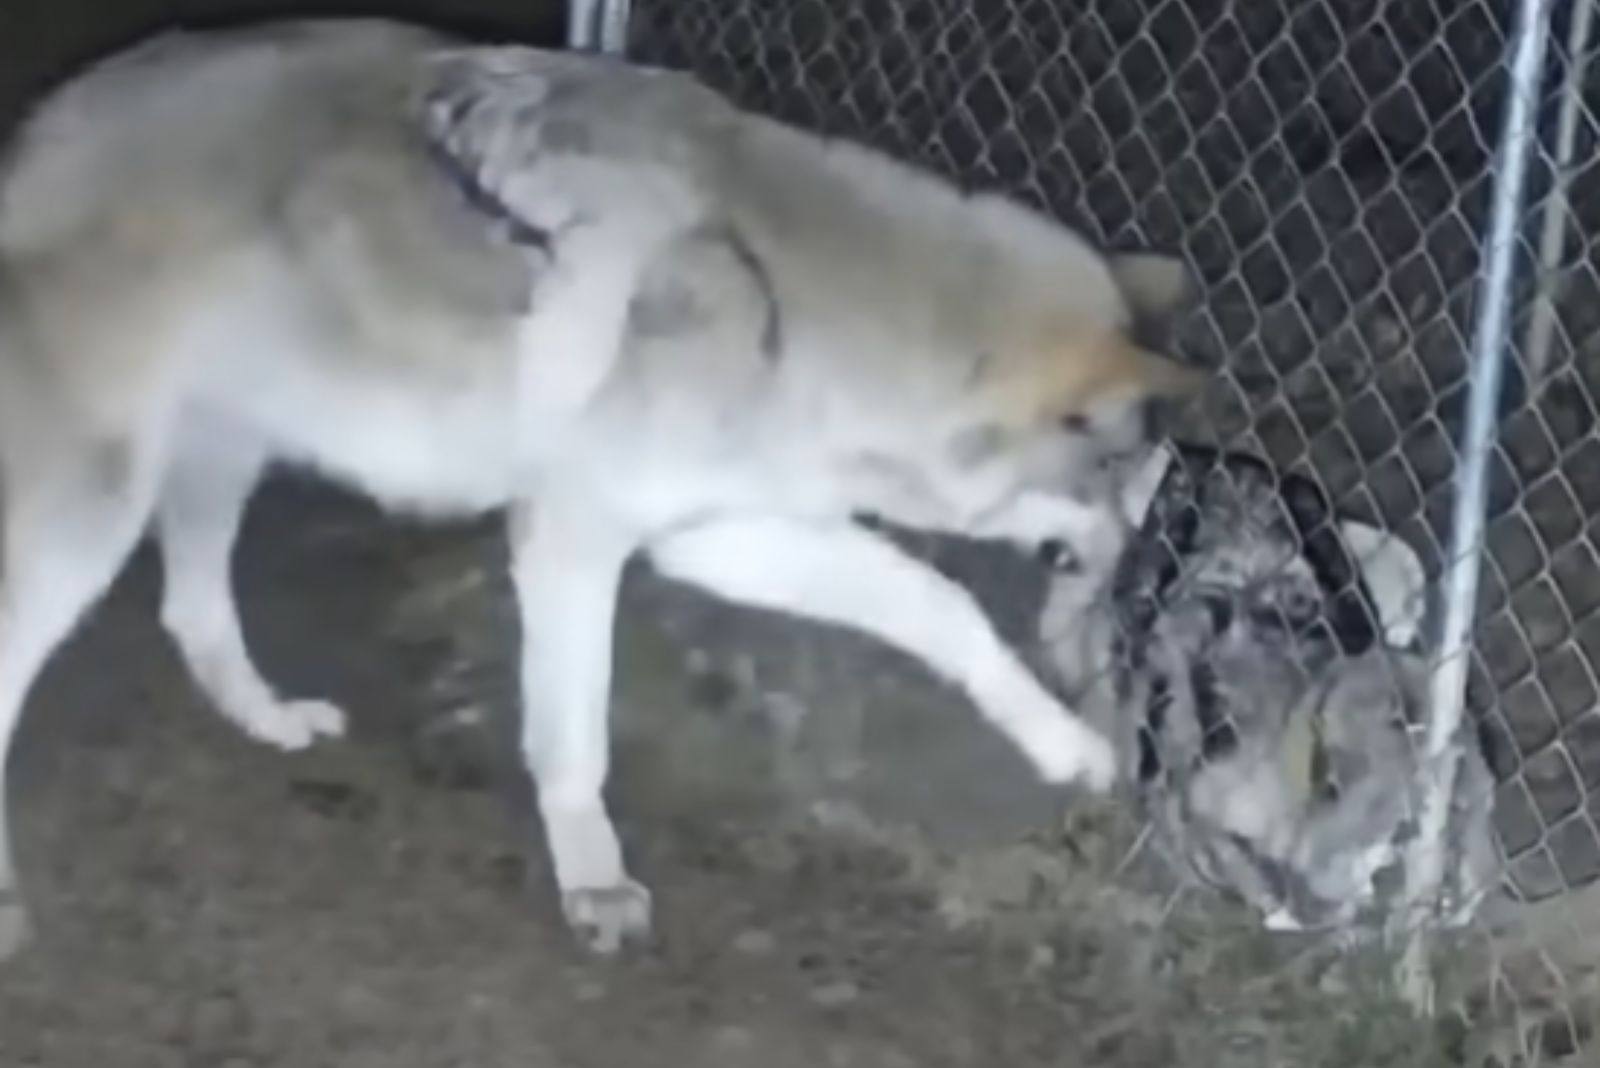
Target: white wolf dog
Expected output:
[461,278]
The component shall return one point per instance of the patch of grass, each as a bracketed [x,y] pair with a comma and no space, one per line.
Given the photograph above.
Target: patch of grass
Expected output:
[1370,1027]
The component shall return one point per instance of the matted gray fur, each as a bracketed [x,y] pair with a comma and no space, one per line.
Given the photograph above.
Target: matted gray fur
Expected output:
[1256,661]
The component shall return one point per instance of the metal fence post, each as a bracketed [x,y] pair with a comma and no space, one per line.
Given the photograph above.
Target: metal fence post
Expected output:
[598,25]
[1490,352]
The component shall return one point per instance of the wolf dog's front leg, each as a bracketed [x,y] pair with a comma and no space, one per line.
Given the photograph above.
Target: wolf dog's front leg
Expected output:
[567,562]
[843,574]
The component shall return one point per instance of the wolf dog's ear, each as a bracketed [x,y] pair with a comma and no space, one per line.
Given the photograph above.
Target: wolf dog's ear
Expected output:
[1156,375]
[1158,288]
[1165,386]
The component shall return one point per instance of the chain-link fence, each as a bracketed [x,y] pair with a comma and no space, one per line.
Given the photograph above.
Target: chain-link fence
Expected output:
[1331,169]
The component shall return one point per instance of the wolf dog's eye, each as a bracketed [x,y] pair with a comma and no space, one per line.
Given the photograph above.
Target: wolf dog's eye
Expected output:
[1057,555]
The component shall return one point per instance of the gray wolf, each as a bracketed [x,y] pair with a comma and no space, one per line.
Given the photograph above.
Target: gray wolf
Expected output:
[641,321]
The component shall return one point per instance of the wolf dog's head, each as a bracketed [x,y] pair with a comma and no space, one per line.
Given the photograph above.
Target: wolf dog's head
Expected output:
[1051,445]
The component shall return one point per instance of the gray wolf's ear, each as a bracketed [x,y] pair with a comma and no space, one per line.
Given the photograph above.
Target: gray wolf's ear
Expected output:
[1159,288]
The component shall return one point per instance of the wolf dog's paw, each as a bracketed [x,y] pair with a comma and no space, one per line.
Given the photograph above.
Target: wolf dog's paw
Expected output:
[1064,749]
[606,918]
[293,725]
[14,928]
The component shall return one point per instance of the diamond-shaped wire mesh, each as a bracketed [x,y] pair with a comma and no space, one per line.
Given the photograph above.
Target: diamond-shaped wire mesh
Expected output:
[1327,168]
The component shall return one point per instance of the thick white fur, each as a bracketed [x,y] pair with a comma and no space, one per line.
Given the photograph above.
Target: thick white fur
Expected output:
[219,252]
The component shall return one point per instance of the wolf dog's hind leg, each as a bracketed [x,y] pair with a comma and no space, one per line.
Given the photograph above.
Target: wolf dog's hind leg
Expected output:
[72,513]
[201,505]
